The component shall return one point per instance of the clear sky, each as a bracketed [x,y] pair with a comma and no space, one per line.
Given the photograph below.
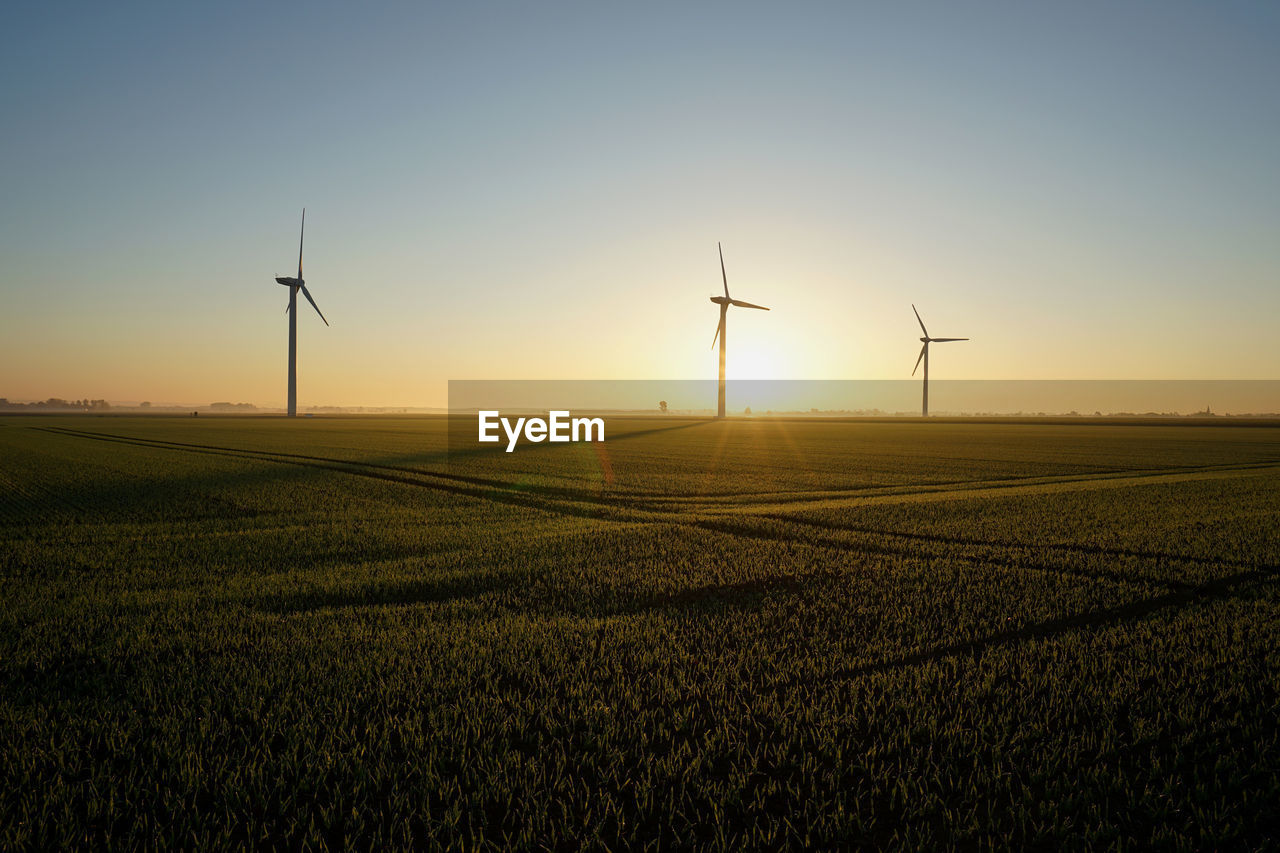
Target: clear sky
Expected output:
[535,190]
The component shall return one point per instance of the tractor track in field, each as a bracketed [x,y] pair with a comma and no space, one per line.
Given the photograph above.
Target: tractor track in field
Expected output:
[1084,550]
[995,554]
[679,508]
[737,519]
[777,502]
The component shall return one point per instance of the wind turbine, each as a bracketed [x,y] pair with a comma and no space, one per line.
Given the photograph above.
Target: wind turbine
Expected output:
[724,302]
[924,356]
[294,285]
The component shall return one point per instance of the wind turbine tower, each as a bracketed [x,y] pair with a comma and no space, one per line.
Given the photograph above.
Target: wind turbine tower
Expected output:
[294,285]
[724,302]
[924,356]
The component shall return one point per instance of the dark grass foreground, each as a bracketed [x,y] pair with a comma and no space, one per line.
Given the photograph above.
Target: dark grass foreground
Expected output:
[271,634]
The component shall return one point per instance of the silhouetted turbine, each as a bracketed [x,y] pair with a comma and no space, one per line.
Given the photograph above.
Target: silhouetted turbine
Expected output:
[724,302]
[924,356]
[294,285]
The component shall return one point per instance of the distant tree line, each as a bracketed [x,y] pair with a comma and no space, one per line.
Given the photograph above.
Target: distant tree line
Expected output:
[56,403]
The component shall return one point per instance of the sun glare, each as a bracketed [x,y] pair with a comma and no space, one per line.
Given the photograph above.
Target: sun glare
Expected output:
[759,362]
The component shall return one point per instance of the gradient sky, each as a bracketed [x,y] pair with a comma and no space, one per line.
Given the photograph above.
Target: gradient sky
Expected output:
[1088,190]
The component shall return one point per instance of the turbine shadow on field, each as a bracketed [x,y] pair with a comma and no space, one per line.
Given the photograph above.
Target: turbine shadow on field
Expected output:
[1220,589]
[711,598]
[403,592]
[74,677]
[1192,746]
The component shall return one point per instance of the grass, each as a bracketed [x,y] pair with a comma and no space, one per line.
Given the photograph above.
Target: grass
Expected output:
[221,632]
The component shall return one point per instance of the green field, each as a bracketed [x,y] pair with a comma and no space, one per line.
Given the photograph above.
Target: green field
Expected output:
[722,635]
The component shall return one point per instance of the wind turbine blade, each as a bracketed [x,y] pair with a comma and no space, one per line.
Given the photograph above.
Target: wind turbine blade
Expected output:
[746,305]
[723,277]
[302,234]
[286,308]
[918,360]
[945,340]
[305,293]
[719,329]
[918,320]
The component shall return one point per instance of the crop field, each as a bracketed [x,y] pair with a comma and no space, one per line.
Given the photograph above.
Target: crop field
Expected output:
[353,632]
